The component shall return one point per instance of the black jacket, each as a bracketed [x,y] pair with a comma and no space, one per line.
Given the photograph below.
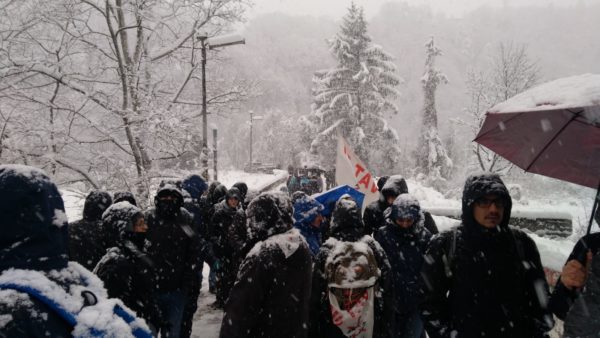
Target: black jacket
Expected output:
[405,250]
[484,282]
[562,298]
[88,238]
[583,319]
[175,249]
[271,295]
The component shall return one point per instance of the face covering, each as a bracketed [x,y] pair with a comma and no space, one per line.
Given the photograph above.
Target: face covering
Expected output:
[167,208]
[137,238]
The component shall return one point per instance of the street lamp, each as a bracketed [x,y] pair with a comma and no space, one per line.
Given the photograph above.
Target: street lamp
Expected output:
[211,43]
[253,118]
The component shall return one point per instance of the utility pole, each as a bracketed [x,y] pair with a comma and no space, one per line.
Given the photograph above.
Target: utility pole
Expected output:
[204,151]
[215,153]
[251,113]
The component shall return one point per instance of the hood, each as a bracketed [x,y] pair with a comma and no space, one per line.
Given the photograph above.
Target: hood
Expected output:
[268,214]
[169,188]
[306,209]
[234,193]
[195,186]
[479,185]
[218,194]
[96,203]
[33,223]
[242,187]
[346,220]
[120,217]
[127,196]
[405,206]
[381,182]
[394,186]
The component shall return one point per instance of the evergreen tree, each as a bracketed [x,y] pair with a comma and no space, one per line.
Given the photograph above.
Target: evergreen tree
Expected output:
[353,97]
[432,157]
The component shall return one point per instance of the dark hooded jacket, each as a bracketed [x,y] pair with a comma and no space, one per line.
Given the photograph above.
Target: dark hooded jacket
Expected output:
[33,253]
[484,282]
[347,226]
[126,196]
[306,209]
[583,318]
[562,298]
[213,197]
[88,239]
[271,293]
[405,249]
[195,187]
[243,188]
[126,270]
[175,248]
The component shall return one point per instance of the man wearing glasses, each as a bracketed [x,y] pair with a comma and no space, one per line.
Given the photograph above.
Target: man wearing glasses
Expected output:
[484,278]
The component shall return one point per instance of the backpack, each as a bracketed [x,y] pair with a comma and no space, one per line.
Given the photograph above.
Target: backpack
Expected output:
[71,318]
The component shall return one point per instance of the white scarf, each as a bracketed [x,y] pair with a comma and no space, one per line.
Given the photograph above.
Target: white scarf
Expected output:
[358,321]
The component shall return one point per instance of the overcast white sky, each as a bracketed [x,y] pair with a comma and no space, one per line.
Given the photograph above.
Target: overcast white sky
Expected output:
[337,8]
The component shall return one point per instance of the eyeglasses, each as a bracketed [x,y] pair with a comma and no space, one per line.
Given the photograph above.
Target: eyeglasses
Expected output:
[487,202]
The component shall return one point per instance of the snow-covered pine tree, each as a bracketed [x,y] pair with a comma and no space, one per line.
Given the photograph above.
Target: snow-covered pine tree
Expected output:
[432,157]
[353,97]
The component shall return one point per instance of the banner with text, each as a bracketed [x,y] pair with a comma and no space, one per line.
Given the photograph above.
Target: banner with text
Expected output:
[350,170]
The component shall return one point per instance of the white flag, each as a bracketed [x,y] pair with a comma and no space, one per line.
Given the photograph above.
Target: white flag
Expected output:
[350,170]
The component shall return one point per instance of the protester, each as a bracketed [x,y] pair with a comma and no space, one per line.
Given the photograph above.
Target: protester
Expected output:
[308,218]
[583,318]
[126,270]
[352,290]
[88,239]
[176,252]
[229,224]
[243,188]
[42,293]
[126,196]
[271,293]
[390,188]
[404,240]
[483,278]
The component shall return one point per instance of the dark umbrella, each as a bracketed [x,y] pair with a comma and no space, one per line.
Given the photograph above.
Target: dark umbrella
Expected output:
[552,130]
[329,197]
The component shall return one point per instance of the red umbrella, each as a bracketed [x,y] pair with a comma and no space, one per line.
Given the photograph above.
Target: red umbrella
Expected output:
[552,129]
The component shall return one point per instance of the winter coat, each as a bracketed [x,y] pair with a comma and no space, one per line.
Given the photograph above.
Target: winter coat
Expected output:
[271,293]
[484,282]
[583,319]
[176,250]
[126,196]
[88,238]
[562,298]
[194,186]
[34,267]
[405,250]
[213,197]
[347,226]
[306,209]
[126,270]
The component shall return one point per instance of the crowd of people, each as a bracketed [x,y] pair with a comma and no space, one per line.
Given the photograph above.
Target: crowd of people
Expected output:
[279,267]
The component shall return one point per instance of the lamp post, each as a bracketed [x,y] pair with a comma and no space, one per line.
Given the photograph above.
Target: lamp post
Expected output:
[253,118]
[211,43]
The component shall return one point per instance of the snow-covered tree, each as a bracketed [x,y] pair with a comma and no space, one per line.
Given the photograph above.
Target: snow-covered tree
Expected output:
[511,71]
[353,97]
[432,157]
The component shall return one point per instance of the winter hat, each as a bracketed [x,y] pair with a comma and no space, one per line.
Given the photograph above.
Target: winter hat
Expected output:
[306,208]
[127,196]
[233,193]
[33,223]
[268,214]
[394,186]
[120,217]
[405,206]
[346,221]
[219,194]
[96,202]
[242,187]
[194,185]
[381,182]
[479,185]
[169,188]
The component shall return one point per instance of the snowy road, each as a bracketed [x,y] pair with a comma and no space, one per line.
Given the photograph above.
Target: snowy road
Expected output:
[207,321]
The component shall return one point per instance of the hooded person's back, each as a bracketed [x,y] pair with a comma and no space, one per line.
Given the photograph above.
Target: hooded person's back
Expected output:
[306,209]
[391,186]
[88,239]
[39,288]
[271,293]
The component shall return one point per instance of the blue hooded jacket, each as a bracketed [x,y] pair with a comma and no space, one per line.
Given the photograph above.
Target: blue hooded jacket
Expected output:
[33,223]
[306,210]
